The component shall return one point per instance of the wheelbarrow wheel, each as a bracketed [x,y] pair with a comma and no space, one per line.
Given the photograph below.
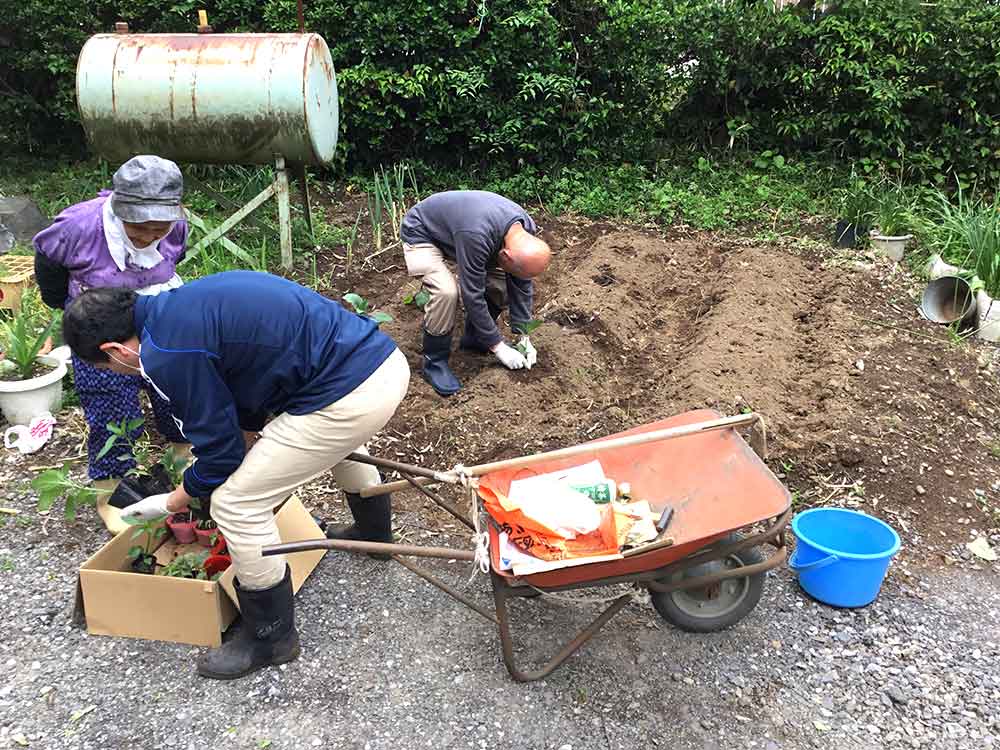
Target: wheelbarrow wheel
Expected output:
[719,605]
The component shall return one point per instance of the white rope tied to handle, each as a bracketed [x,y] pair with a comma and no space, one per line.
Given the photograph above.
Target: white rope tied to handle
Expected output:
[480,538]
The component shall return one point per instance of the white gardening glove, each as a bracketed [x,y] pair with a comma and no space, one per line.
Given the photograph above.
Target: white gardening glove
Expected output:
[530,353]
[512,359]
[154,506]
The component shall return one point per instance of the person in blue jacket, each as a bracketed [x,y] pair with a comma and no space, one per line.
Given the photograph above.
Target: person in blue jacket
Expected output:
[227,351]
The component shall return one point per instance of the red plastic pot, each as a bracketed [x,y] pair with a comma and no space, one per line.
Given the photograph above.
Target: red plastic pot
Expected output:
[181,527]
[216,564]
[205,536]
[220,547]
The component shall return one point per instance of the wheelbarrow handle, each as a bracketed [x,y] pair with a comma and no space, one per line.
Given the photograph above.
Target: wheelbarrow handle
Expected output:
[794,564]
[595,446]
[411,469]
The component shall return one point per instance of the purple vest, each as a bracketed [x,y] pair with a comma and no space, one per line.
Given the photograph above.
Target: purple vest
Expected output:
[75,240]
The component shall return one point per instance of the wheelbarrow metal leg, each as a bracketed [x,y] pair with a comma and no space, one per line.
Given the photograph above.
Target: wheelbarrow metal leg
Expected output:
[502,592]
[434,581]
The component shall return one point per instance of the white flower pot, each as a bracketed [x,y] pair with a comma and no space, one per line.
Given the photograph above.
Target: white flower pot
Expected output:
[936,268]
[21,400]
[891,245]
[988,310]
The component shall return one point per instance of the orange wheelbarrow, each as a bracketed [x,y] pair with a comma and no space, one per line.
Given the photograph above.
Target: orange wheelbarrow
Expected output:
[727,506]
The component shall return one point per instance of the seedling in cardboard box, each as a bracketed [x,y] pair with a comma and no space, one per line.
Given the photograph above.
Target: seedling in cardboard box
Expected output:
[190,565]
[142,557]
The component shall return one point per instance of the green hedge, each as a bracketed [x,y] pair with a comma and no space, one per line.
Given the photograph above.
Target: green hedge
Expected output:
[891,84]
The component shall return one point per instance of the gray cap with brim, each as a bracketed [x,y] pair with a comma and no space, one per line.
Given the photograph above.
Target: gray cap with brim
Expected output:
[147,188]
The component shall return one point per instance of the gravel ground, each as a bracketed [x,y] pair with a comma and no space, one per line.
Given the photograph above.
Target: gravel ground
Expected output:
[389,662]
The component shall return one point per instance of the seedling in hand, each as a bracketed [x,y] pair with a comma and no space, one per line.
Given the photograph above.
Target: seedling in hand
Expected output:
[140,448]
[526,329]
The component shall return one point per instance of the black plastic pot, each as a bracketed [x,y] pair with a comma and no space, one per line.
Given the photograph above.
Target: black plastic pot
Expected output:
[133,489]
[144,564]
[849,234]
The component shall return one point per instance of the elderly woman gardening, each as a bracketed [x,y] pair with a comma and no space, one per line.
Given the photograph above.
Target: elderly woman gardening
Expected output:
[130,238]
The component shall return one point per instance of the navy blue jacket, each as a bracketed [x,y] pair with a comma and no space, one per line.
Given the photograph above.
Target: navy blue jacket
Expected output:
[228,348]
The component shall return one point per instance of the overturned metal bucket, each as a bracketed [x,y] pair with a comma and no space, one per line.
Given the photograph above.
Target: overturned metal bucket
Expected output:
[947,300]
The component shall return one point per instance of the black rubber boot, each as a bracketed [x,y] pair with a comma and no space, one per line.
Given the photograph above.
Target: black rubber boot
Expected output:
[437,350]
[372,521]
[267,635]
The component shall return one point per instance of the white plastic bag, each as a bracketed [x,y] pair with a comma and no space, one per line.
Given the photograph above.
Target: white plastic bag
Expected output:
[29,439]
[556,506]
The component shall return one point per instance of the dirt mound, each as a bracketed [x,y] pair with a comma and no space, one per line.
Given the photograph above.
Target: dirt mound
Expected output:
[638,328]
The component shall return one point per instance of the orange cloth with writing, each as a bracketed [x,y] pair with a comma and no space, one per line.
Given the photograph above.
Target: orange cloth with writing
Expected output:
[537,539]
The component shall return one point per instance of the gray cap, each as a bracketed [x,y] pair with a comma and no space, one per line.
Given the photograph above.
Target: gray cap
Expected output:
[147,188]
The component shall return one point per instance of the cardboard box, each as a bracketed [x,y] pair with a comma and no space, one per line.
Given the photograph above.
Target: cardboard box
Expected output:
[115,601]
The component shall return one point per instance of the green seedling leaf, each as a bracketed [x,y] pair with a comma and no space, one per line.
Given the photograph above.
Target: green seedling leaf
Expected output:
[418,299]
[69,511]
[134,552]
[357,302]
[47,498]
[530,326]
[50,478]
[108,445]
[381,317]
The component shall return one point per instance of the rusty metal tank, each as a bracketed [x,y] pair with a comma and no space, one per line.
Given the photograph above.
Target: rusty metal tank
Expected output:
[216,98]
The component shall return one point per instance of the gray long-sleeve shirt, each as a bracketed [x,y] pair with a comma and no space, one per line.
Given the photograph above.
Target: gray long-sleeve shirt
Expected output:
[469,226]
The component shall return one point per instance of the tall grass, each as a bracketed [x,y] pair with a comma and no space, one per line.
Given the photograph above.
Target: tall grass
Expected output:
[966,232]
[388,197]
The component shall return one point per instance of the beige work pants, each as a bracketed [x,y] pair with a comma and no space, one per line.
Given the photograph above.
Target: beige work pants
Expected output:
[294,449]
[428,262]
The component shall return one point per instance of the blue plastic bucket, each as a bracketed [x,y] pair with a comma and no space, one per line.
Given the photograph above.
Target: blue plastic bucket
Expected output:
[842,556]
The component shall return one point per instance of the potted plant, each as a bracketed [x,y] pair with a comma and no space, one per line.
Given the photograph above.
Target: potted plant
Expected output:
[143,560]
[206,531]
[30,382]
[893,214]
[189,565]
[855,212]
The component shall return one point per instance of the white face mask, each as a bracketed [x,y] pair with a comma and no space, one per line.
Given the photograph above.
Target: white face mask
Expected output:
[126,364]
